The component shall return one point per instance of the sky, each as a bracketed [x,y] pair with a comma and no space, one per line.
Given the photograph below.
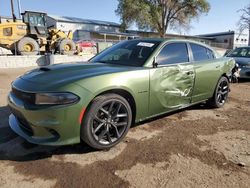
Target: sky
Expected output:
[223,15]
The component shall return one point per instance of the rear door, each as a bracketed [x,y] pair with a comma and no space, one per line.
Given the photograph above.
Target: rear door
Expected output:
[172,81]
[207,71]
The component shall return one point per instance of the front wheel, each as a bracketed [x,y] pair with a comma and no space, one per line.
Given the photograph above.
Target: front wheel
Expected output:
[106,122]
[67,47]
[27,46]
[221,93]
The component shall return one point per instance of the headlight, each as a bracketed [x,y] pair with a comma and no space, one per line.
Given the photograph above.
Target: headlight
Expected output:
[55,98]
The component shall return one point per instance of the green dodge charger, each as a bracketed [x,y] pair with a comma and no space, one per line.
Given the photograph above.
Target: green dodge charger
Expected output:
[98,101]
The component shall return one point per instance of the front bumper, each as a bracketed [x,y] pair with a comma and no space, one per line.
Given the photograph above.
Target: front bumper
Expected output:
[55,125]
[27,134]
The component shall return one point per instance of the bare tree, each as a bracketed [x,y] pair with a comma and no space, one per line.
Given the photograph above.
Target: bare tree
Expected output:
[244,22]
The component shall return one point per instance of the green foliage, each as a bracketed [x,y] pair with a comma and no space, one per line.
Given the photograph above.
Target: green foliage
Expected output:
[159,15]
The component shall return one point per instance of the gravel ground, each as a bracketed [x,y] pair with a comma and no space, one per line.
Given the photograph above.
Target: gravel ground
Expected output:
[196,147]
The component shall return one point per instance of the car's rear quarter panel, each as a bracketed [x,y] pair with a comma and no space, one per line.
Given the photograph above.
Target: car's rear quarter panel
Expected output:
[207,76]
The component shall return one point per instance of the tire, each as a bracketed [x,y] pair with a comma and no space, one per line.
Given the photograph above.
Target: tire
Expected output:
[67,47]
[106,121]
[27,46]
[13,52]
[220,94]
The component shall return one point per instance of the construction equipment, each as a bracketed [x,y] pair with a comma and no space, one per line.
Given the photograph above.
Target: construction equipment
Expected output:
[33,36]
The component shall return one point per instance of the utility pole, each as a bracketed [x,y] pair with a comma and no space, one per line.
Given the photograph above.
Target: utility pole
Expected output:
[19,8]
[12,11]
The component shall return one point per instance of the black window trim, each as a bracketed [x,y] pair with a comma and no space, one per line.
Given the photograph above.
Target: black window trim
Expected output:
[212,53]
[172,64]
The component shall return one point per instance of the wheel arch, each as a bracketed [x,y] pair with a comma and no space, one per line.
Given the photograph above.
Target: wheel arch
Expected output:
[125,94]
[33,36]
[225,75]
[222,75]
[210,101]
[122,92]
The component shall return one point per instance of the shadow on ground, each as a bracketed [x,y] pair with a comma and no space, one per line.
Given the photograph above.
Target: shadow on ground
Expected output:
[15,148]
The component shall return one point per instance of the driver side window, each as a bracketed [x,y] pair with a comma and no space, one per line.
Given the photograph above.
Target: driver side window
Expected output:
[173,53]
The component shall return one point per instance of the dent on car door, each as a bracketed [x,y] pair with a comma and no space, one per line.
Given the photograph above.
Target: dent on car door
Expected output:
[171,82]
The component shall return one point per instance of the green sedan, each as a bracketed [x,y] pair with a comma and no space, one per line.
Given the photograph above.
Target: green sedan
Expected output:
[97,102]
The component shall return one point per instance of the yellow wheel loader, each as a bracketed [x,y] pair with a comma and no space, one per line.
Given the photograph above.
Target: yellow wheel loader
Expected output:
[32,36]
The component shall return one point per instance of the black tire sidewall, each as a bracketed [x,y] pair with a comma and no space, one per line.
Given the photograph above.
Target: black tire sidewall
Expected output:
[215,101]
[86,132]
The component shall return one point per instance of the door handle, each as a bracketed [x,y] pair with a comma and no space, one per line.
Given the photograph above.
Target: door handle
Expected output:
[189,72]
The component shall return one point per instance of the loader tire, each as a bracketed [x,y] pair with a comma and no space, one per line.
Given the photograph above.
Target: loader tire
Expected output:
[27,46]
[67,47]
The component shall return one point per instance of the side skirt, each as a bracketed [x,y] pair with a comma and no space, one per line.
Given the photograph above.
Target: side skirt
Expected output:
[168,112]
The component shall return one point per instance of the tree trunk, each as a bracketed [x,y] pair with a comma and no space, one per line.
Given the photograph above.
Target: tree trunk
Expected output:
[162,33]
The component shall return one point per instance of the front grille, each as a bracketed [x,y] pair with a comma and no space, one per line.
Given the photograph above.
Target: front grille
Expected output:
[26,97]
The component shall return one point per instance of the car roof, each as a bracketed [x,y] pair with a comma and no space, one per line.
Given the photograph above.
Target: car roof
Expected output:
[170,40]
[164,40]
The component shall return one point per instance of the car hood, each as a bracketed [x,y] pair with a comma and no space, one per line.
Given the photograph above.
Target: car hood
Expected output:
[64,73]
[242,61]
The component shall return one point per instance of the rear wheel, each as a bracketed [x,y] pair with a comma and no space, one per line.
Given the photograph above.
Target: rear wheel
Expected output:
[221,93]
[67,47]
[106,122]
[27,46]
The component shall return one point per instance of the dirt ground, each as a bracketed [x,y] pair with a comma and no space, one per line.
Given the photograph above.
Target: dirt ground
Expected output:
[196,147]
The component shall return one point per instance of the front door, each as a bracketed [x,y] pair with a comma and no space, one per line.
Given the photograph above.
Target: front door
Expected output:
[172,81]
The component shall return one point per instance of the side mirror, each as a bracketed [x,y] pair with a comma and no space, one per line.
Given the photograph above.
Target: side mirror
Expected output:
[155,64]
[45,60]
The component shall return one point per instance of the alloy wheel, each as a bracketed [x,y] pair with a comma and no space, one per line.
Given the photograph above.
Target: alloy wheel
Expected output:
[222,92]
[110,122]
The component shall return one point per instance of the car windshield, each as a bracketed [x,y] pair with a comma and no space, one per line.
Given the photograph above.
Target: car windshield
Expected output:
[128,53]
[240,52]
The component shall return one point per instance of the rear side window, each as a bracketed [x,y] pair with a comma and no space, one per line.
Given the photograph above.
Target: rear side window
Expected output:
[173,53]
[201,53]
